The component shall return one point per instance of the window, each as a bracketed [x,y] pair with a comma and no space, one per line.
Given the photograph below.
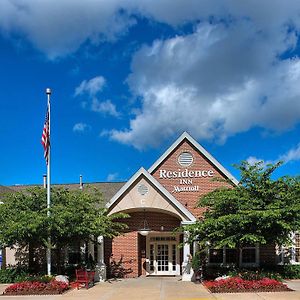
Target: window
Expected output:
[231,256]
[248,256]
[215,256]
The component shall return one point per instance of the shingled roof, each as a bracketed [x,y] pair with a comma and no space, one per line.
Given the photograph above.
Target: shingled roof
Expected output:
[108,189]
[4,190]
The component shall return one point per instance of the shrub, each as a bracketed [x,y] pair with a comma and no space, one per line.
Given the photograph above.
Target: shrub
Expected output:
[237,284]
[13,274]
[290,271]
[255,274]
[36,288]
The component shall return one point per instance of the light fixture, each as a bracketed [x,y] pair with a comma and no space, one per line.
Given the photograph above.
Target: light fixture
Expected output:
[144,230]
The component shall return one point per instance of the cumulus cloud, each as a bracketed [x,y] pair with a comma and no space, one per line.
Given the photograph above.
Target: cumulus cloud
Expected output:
[106,107]
[215,82]
[229,75]
[112,176]
[58,28]
[91,87]
[291,155]
[81,127]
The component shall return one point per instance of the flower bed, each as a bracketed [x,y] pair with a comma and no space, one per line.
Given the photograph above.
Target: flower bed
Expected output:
[239,285]
[52,287]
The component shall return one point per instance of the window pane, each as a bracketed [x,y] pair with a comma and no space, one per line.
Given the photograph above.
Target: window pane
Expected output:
[216,256]
[231,255]
[297,258]
[248,255]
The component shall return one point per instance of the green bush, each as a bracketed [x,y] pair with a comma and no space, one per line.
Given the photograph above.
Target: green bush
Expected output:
[290,271]
[278,272]
[15,274]
[19,274]
[255,274]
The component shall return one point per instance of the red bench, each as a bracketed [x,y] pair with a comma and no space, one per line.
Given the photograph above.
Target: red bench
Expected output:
[84,277]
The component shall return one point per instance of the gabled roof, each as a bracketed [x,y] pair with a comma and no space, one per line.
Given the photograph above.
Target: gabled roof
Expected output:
[152,180]
[210,158]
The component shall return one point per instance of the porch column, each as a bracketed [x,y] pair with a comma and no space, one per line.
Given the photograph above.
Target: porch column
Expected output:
[100,267]
[187,271]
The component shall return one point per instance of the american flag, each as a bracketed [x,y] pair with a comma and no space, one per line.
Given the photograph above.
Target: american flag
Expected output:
[46,137]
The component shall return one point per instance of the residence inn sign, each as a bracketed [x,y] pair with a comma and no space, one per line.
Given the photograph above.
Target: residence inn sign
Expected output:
[185,177]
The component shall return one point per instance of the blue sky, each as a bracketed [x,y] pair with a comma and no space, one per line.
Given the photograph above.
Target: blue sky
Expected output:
[128,77]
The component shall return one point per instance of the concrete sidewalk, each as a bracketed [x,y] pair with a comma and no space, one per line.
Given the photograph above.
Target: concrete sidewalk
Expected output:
[155,288]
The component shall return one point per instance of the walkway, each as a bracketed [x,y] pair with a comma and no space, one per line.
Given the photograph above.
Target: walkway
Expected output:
[157,289]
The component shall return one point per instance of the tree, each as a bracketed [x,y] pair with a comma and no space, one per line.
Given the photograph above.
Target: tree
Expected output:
[258,210]
[74,215]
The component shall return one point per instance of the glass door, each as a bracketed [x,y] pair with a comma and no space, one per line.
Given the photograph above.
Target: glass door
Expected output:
[163,259]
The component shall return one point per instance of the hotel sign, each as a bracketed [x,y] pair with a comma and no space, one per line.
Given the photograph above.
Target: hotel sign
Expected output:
[185,178]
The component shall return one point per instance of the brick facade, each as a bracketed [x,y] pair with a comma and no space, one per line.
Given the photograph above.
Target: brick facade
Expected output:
[206,184]
[129,249]
[125,254]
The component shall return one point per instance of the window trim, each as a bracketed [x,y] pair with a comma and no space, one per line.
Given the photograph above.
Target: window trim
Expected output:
[224,263]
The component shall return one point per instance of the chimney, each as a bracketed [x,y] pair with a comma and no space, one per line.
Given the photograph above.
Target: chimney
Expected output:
[80,182]
[45,181]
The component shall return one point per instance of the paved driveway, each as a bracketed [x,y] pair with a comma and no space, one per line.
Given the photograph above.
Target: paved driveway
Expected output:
[157,289]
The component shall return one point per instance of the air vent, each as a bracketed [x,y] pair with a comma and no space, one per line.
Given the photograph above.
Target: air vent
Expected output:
[185,159]
[142,189]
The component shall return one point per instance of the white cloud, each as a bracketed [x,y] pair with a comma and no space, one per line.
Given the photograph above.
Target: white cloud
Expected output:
[106,107]
[112,176]
[252,160]
[58,28]
[291,155]
[214,83]
[90,87]
[81,127]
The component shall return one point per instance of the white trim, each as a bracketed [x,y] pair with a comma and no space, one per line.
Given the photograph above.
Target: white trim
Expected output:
[185,135]
[142,172]
[170,244]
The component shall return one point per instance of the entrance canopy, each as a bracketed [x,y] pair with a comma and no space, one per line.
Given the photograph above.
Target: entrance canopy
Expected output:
[143,191]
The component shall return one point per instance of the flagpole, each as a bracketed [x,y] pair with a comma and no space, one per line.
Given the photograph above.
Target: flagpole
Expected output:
[48,254]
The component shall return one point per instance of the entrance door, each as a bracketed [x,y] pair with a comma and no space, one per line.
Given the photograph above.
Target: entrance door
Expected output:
[163,259]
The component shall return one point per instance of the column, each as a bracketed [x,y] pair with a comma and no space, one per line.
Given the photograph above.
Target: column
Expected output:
[100,275]
[187,271]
